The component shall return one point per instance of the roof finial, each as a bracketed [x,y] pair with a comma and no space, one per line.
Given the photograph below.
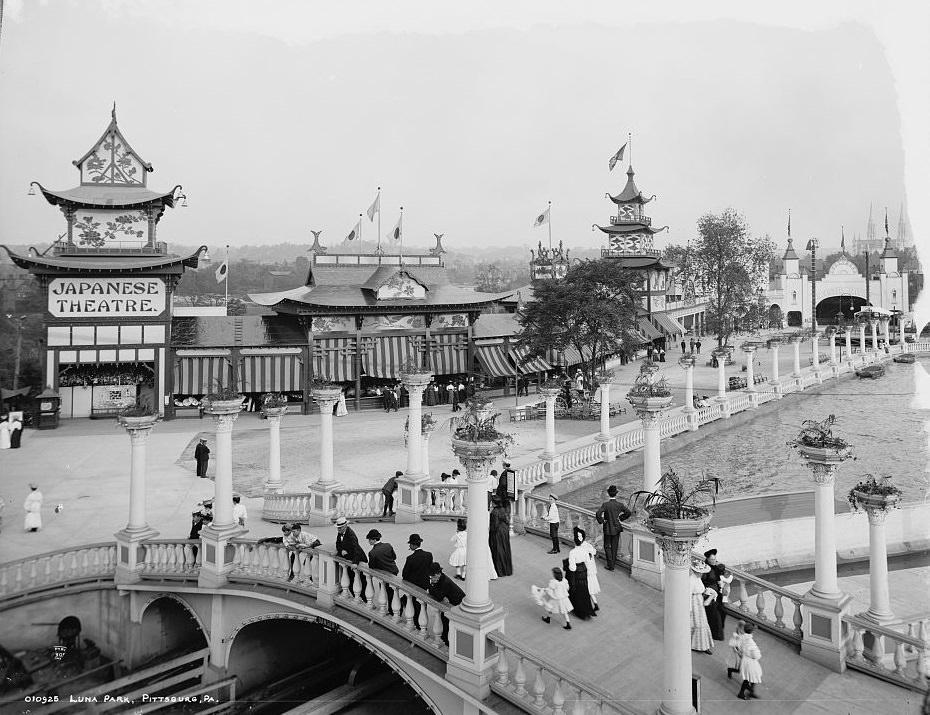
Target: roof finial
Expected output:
[789,225]
[113,111]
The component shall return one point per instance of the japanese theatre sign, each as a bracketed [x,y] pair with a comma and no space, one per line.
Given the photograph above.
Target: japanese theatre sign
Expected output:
[106,297]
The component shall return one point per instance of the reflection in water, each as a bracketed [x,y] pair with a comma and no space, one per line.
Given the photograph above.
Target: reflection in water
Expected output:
[880,418]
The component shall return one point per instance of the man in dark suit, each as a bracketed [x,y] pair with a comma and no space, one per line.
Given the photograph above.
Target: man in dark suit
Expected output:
[611,514]
[202,455]
[444,589]
[382,558]
[416,571]
[347,547]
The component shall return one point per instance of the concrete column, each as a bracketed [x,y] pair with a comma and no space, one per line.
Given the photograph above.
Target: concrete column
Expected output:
[131,554]
[825,585]
[676,631]
[722,378]
[326,439]
[688,366]
[414,432]
[874,324]
[604,382]
[862,346]
[274,483]
[477,458]
[138,436]
[879,602]
[750,351]
[796,344]
[322,491]
[886,331]
[550,394]
[815,352]
[223,485]
[651,416]
[424,452]
[775,364]
[848,343]
[833,360]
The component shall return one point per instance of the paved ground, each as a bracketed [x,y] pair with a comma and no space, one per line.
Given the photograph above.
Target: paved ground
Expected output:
[84,466]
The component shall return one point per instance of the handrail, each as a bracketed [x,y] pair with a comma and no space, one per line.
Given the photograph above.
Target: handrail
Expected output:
[871,656]
[740,594]
[74,565]
[513,687]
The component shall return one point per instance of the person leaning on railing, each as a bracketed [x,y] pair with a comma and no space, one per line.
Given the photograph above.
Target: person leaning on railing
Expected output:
[295,540]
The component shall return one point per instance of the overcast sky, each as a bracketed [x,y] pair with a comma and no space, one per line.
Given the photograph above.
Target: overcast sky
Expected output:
[283,117]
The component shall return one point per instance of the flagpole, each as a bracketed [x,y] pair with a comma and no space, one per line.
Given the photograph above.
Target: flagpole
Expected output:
[226,282]
[378,247]
[401,224]
[629,139]
[550,226]
[359,233]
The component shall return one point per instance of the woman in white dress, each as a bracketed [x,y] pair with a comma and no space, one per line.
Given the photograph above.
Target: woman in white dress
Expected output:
[4,434]
[701,638]
[341,410]
[33,509]
[594,586]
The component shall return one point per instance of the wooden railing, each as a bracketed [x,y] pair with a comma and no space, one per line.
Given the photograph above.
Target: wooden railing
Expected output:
[36,573]
[889,654]
[535,685]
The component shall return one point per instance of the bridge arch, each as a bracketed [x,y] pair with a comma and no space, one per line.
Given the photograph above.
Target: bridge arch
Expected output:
[829,308]
[165,623]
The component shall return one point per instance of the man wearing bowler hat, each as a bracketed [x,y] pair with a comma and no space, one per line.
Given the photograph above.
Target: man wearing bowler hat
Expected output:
[444,589]
[611,514]
[382,558]
[416,570]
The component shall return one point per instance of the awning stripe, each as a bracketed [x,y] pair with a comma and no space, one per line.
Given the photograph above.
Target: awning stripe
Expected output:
[493,361]
[669,324]
[534,364]
[334,358]
[271,373]
[199,375]
[388,355]
[648,329]
[449,354]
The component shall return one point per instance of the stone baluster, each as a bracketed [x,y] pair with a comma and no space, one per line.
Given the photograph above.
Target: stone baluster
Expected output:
[676,631]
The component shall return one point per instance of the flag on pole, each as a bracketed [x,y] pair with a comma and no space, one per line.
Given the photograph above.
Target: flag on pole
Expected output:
[886,221]
[397,232]
[789,223]
[842,239]
[542,218]
[355,232]
[375,207]
[616,157]
[222,271]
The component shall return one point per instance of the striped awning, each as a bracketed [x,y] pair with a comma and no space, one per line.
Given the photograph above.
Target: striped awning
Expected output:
[648,329]
[200,375]
[271,373]
[388,355]
[494,361]
[570,356]
[534,364]
[669,324]
[334,358]
[449,354]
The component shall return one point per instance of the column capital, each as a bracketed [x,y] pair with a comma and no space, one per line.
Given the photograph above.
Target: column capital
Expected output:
[676,553]
[224,422]
[138,435]
[824,474]
[415,381]
[651,418]
[877,515]
[274,419]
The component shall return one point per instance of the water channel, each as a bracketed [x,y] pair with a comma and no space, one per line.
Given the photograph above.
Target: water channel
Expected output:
[879,418]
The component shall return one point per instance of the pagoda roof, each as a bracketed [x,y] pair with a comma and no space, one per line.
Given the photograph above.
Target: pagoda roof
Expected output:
[142,263]
[614,230]
[889,252]
[307,299]
[106,196]
[630,193]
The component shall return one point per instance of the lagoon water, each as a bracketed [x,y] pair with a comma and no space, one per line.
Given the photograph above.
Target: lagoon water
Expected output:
[880,418]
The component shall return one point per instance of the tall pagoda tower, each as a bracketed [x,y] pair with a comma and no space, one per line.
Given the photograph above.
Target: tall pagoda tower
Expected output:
[108,283]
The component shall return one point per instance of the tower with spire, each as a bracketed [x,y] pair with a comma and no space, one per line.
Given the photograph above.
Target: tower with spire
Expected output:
[630,232]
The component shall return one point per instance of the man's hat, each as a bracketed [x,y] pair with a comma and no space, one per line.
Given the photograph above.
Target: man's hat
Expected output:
[612,490]
[506,464]
[33,485]
[208,502]
[699,566]
[455,472]
[435,568]
[342,521]
[398,473]
[415,539]
[203,439]
[373,534]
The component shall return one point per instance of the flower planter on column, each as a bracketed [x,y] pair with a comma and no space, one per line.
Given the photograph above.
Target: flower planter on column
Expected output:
[130,553]
[322,491]
[824,605]
[472,659]
[408,504]
[650,399]
[274,415]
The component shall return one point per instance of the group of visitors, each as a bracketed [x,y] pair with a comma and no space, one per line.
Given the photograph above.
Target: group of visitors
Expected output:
[700,402]
[11,431]
[655,353]
[693,346]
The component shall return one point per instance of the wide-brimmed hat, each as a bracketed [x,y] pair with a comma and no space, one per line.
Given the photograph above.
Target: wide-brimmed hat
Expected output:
[342,521]
[373,534]
[699,566]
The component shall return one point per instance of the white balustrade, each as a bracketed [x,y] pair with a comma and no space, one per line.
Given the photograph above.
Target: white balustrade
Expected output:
[441,499]
[59,567]
[888,653]
[359,503]
[174,557]
[758,600]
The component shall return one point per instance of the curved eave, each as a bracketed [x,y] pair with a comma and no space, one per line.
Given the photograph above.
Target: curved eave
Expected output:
[98,264]
[624,198]
[97,196]
[630,228]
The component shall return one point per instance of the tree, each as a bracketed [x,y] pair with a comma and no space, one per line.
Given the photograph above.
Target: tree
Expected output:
[592,309]
[729,265]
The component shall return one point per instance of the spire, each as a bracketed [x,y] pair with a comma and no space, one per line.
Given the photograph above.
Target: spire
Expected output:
[789,252]
[870,229]
[902,227]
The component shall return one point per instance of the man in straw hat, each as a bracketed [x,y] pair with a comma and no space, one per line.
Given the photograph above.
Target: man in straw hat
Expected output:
[33,509]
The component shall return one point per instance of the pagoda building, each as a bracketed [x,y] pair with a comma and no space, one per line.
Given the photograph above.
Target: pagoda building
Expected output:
[630,244]
[108,283]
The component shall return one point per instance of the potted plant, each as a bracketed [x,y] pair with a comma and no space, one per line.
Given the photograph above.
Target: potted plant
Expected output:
[816,442]
[223,399]
[137,415]
[274,404]
[323,388]
[672,509]
[874,493]
[648,392]
[604,376]
[476,435]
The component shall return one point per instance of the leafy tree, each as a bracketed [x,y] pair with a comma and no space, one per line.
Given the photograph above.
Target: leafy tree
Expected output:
[729,265]
[592,309]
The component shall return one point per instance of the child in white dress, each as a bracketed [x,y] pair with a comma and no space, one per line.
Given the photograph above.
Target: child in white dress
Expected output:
[733,658]
[554,598]
[460,543]
[750,670]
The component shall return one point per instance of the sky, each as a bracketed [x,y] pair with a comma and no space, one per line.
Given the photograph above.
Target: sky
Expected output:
[285,116]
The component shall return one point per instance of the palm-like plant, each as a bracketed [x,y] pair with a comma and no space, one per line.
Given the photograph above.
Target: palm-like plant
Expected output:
[674,500]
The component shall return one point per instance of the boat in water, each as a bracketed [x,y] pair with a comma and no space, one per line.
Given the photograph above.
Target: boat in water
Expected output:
[905,357]
[871,371]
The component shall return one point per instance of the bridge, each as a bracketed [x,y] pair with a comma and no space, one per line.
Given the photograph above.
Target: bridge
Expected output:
[611,664]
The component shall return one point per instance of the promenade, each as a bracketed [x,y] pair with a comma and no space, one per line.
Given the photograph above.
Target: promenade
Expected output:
[84,466]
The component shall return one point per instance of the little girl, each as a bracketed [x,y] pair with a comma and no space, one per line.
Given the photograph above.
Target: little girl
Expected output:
[733,659]
[554,598]
[750,669]
[459,541]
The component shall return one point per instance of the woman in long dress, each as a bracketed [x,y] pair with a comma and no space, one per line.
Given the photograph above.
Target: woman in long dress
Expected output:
[16,432]
[33,509]
[460,549]
[341,410]
[701,638]
[576,572]
[499,539]
[594,586]
[4,434]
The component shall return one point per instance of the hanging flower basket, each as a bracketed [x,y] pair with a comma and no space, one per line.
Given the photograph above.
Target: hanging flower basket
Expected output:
[872,493]
[671,509]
